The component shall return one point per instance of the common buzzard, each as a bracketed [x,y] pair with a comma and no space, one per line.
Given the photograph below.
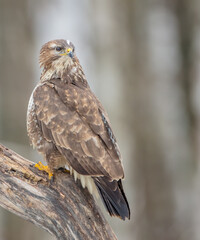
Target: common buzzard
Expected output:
[69,126]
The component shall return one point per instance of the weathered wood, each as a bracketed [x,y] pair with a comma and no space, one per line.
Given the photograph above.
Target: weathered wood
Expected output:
[62,207]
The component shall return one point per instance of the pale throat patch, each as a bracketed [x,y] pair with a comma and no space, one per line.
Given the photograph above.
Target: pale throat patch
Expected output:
[58,66]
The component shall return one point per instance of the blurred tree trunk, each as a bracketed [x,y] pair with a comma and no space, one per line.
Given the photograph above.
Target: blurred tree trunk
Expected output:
[193,18]
[16,47]
[162,123]
[16,68]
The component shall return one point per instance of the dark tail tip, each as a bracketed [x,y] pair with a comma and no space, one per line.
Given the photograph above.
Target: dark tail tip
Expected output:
[113,197]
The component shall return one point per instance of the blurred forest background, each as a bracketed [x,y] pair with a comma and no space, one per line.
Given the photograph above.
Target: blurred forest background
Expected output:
[142,60]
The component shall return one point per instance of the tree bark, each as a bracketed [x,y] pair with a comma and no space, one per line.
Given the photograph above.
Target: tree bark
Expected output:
[61,207]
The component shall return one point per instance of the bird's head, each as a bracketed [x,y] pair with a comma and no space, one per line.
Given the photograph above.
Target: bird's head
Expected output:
[57,52]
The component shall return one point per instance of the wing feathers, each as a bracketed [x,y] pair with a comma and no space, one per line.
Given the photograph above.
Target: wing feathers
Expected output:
[81,136]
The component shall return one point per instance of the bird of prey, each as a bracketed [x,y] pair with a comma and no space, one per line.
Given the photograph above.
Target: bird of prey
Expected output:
[69,126]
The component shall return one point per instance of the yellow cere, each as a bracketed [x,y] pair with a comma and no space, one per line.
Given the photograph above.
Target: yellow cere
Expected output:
[67,51]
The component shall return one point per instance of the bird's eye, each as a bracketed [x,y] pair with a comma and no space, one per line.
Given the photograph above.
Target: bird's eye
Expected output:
[58,49]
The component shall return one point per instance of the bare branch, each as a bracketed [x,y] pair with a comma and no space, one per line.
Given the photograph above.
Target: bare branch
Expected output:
[63,208]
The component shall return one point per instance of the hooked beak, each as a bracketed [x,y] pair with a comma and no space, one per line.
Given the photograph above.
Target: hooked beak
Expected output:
[68,51]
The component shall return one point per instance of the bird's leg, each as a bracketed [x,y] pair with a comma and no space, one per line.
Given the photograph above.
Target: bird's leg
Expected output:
[50,158]
[42,167]
[54,161]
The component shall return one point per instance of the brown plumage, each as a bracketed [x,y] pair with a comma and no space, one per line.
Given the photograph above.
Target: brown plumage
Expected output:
[69,126]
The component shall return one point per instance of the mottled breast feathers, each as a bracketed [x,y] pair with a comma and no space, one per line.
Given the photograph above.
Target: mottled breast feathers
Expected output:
[73,119]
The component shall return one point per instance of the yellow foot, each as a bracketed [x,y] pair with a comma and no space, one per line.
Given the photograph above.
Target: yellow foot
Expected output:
[41,167]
